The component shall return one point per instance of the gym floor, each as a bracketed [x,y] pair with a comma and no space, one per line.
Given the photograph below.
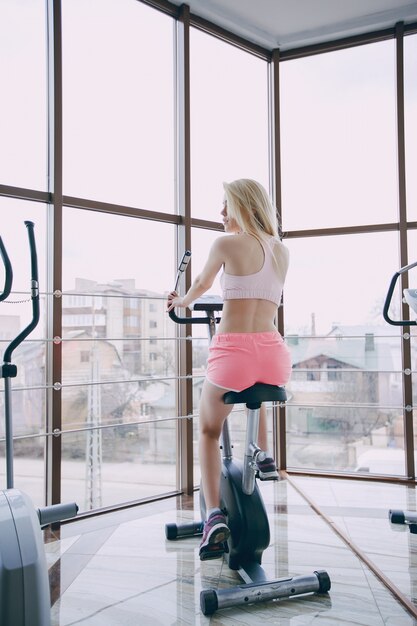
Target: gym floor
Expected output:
[118,568]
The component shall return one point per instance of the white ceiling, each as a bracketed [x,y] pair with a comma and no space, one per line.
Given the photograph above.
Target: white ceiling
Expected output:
[288,24]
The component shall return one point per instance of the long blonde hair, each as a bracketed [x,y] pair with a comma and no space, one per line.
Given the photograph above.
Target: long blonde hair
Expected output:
[250,206]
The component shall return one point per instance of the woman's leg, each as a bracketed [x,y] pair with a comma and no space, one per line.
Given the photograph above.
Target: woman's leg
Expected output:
[213,412]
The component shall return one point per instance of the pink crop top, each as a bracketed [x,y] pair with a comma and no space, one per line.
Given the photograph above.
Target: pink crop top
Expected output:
[263,285]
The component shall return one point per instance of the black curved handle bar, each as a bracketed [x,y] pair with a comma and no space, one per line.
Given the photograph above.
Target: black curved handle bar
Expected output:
[8,279]
[196,320]
[34,296]
[389,298]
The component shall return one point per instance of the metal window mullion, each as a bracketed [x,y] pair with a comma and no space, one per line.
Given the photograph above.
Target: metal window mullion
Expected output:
[279,443]
[54,253]
[406,343]
[185,477]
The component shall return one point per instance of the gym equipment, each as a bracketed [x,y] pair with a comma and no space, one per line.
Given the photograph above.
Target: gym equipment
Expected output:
[409,296]
[404,518]
[24,583]
[408,518]
[242,502]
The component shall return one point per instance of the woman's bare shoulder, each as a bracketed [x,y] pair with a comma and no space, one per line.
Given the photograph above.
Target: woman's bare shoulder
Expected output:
[226,242]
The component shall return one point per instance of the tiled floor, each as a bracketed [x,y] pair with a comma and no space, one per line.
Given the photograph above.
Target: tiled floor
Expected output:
[118,569]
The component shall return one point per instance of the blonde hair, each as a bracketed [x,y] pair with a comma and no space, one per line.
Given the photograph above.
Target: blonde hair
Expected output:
[251,207]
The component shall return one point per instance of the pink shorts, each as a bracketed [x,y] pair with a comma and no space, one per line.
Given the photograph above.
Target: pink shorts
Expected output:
[239,360]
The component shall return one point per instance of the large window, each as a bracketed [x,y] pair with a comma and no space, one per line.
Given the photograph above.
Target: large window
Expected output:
[229,121]
[338,137]
[119,103]
[345,391]
[338,128]
[118,398]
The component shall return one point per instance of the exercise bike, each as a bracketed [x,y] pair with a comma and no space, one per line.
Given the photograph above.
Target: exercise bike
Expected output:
[241,499]
[24,583]
[396,516]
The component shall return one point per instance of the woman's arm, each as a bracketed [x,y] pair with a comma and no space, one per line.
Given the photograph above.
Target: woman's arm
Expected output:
[204,280]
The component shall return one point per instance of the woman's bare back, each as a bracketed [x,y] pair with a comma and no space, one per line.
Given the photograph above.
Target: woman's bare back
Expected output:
[245,256]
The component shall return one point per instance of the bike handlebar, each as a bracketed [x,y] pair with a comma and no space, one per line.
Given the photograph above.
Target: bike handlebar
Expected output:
[208,304]
[388,298]
[200,305]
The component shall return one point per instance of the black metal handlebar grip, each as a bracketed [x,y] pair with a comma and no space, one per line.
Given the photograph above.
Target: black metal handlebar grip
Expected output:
[388,299]
[387,303]
[188,320]
[184,261]
[34,296]
[33,254]
[8,278]
[182,267]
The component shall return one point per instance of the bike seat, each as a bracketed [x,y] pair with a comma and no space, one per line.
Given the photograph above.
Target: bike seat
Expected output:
[255,395]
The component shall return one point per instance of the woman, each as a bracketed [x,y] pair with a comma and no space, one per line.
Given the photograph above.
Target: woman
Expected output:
[247,348]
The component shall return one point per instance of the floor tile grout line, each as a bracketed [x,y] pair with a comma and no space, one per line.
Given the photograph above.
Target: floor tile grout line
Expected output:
[402,599]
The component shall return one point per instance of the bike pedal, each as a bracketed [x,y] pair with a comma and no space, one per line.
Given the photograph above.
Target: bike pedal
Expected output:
[213,551]
[266,478]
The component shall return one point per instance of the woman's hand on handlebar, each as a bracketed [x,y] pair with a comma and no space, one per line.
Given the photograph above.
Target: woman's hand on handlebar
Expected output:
[174,300]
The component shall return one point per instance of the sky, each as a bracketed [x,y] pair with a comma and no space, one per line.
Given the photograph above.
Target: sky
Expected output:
[338,151]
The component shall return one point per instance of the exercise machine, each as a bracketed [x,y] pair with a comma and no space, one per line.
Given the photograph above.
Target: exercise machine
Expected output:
[396,516]
[24,583]
[241,500]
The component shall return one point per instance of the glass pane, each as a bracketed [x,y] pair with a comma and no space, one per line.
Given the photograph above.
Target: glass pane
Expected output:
[410,110]
[116,255]
[340,282]
[106,467]
[28,406]
[28,467]
[141,352]
[345,439]
[345,402]
[338,138]
[91,403]
[229,120]
[118,86]
[412,283]
[23,106]
[119,346]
